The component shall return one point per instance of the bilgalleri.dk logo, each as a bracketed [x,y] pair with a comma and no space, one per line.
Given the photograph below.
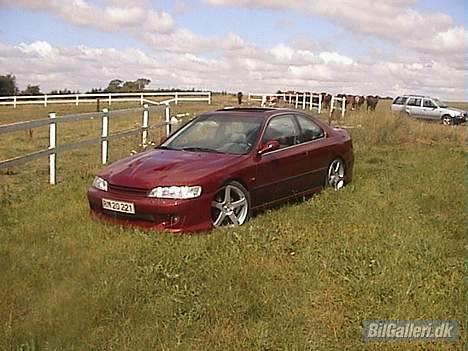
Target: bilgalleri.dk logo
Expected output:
[404,330]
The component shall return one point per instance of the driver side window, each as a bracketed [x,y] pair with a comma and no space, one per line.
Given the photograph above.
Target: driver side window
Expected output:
[283,129]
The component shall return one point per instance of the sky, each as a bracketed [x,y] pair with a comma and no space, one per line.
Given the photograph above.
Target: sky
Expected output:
[364,47]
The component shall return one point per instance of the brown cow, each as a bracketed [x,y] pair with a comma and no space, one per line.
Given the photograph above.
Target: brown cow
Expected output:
[372,102]
[326,100]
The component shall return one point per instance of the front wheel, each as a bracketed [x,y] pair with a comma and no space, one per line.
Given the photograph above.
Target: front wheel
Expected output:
[336,174]
[231,205]
[447,120]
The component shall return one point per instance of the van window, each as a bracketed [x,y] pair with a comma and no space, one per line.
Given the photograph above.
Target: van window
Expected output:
[400,100]
[414,102]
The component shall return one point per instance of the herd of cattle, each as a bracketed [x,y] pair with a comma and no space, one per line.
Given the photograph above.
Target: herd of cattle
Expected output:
[352,102]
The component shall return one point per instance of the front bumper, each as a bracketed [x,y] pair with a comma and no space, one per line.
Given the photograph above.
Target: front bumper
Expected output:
[175,216]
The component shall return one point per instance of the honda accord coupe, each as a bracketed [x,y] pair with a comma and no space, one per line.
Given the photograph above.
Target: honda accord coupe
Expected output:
[221,167]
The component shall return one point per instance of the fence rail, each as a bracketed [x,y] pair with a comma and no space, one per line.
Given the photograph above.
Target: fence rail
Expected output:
[55,148]
[299,100]
[179,96]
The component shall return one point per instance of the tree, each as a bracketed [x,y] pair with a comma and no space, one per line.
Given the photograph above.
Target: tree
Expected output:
[114,85]
[142,83]
[8,85]
[32,90]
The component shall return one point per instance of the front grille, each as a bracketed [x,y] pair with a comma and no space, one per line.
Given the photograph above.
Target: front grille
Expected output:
[127,190]
[130,217]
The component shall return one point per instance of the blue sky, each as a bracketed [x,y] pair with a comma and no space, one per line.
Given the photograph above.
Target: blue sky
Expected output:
[367,47]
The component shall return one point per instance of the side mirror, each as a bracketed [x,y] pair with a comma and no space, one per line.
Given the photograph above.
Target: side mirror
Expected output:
[268,146]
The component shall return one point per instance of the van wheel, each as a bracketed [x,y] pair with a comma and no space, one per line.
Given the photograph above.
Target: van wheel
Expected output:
[447,120]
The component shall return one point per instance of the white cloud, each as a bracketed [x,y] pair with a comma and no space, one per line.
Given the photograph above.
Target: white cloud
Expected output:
[395,21]
[116,16]
[252,69]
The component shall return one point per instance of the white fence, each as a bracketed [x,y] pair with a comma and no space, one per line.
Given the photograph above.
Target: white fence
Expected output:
[142,98]
[338,103]
[299,100]
[103,140]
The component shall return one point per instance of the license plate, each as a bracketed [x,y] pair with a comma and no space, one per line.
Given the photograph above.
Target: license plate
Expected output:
[118,206]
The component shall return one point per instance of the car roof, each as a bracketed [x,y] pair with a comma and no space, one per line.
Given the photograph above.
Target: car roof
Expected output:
[418,96]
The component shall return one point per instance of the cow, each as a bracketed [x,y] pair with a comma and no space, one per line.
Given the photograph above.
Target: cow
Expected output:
[239,98]
[372,102]
[326,100]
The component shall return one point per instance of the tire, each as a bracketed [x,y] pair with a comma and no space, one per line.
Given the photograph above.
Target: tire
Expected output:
[336,172]
[447,120]
[231,205]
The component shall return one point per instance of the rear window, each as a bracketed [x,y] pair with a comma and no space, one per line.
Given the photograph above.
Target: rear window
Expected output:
[400,100]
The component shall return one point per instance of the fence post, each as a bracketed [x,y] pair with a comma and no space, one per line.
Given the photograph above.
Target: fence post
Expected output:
[141,99]
[332,105]
[104,135]
[343,107]
[304,98]
[209,98]
[45,100]
[297,100]
[144,126]
[14,101]
[176,98]
[311,100]
[110,99]
[263,101]
[320,103]
[52,148]
[76,100]
[168,120]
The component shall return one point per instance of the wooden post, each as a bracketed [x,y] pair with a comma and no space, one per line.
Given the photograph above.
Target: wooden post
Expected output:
[176,98]
[320,103]
[14,101]
[304,98]
[144,126]
[141,99]
[104,135]
[45,100]
[168,120]
[311,100]
[76,100]
[110,99]
[52,148]
[297,100]
[209,98]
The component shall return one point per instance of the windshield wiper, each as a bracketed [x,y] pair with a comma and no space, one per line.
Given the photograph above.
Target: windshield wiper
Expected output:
[202,149]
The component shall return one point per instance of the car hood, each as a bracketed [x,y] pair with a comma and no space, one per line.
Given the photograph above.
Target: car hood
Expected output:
[166,167]
[453,109]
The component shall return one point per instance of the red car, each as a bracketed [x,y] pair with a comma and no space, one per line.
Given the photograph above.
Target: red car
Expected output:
[220,167]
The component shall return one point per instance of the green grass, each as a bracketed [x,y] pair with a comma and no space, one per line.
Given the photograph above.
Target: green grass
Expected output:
[300,277]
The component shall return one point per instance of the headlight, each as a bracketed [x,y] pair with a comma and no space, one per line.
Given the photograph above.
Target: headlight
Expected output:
[176,192]
[100,184]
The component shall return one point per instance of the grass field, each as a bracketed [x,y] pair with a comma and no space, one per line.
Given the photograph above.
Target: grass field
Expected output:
[300,277]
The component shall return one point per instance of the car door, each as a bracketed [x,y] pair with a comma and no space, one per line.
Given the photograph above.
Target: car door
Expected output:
[315,144]
[278,172]
[430,109]
[413,107]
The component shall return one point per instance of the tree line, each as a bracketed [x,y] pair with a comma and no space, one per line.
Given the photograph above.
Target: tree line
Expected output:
[8,87]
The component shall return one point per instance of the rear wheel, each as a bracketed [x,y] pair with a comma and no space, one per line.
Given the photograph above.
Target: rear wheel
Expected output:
[447,120]
[231,205]
[336,174]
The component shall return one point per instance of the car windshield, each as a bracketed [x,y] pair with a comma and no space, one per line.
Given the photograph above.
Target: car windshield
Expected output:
[440,103]
[219,133]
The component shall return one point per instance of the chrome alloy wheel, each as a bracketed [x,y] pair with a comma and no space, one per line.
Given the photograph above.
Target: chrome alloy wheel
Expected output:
[230,206]
[335,175]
